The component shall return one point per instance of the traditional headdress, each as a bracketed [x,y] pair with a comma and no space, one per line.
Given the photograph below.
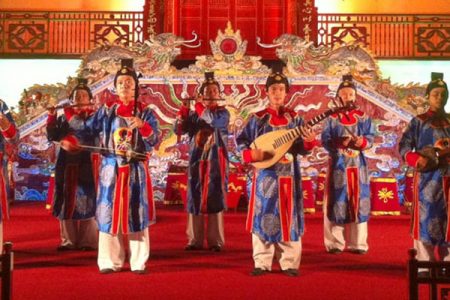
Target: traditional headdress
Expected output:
[82,85]
[437,81]
[277,76]
[347,81]
[209,79]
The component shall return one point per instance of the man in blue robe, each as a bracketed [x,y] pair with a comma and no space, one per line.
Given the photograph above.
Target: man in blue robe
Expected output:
[425,147]
[347,196]
[207,127]
[74,194]
[275,213]
[127,130]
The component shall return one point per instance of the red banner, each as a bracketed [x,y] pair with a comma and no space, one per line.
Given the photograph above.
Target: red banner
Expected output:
[408,193]
[384,196]
[320,190]
[308,195]
[176,189]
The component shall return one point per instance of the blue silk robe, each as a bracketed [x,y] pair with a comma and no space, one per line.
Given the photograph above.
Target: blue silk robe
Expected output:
[430,189]
[74,196]
[275,210]
[125,199]
[348,185]
[208,159]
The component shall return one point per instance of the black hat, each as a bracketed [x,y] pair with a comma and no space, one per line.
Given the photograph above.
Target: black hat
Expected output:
[277,76]
[209,79]
[128,69]
[347,81]
[437,81]
[82,85]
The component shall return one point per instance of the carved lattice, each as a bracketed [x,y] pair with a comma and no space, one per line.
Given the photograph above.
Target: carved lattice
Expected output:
[345,35]
[433,40]
[26,36]
[111,34]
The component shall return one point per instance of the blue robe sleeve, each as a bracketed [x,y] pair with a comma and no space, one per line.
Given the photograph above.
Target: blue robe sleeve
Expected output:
[327,138]
[153,139]
[408,141]
[217,119]
[247,135]
[95,123]
[368,131]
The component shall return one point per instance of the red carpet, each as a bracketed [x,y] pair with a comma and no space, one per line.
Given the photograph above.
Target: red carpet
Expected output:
[43,273]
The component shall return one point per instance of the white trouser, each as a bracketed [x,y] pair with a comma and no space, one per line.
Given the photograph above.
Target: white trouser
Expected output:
[215,230]
[79,233]
[111,250]
[337,235]
[287,253]
[426,252]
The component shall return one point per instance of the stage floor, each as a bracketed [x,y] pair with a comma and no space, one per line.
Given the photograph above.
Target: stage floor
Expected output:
[43,273]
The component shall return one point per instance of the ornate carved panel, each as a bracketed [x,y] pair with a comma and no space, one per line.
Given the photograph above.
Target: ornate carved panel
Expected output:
[345,35]
[111,34]
[433,40]
[26,37]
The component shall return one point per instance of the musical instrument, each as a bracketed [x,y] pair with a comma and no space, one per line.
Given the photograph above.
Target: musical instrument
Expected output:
[204,99]
[62,106]
[437,155]
[128,154]
[277,143]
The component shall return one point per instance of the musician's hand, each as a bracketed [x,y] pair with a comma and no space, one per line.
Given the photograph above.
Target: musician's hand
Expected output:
[4,122]
[346,141]
[135,122]
[199,98]
[260,155]
[69,146]
[307,134]
[51,110]
[358,141]
[422,162]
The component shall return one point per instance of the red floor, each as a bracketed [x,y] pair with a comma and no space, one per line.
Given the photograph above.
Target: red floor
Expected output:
[43,273]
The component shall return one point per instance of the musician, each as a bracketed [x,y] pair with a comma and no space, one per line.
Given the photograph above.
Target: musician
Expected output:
[73,201]
[427,136]
[347,205]
[275,215]
[8,134]
[207,127]
[125,207]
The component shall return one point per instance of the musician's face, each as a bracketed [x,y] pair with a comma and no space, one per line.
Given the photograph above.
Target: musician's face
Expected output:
[211,92]
[437,98]
[347,94]
[277,94]
[125,88]
[81,97]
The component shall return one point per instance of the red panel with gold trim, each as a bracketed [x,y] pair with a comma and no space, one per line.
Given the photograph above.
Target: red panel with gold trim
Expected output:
[384,196]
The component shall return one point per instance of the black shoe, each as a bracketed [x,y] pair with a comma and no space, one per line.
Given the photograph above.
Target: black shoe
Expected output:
[290,272]
[258,272]
[140,272]
[87,248]
[107,271]
[215,248]
[65,248]
[358,251]
[192,248]
[335,251]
